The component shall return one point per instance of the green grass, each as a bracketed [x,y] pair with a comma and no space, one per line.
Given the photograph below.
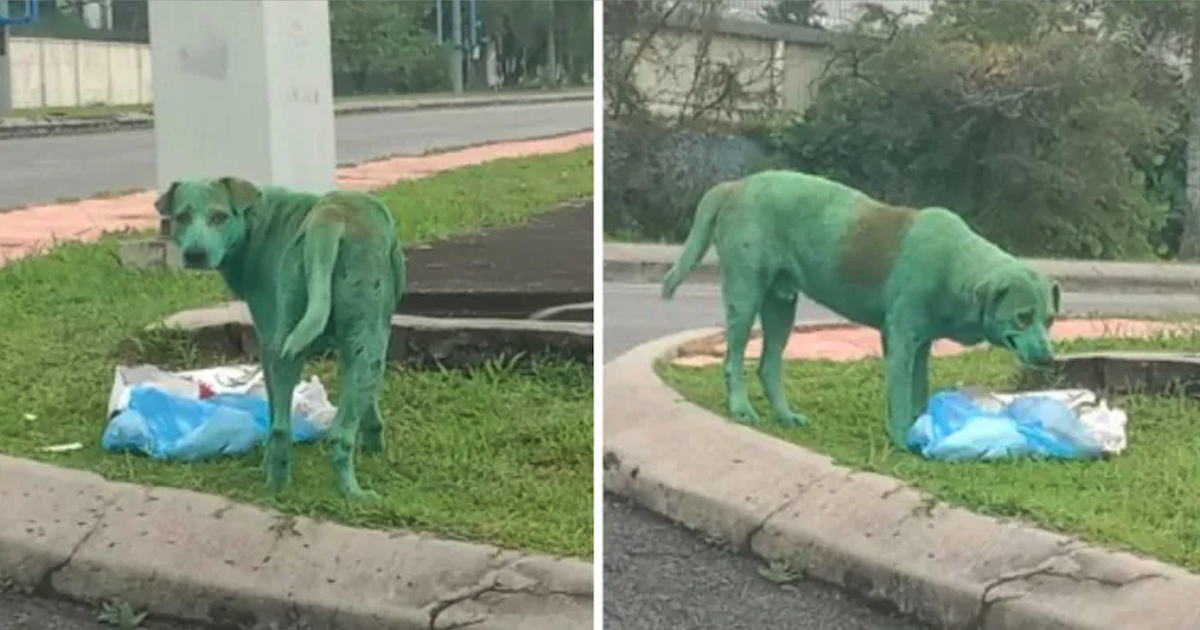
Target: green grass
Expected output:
[494,194]
[497,455]
[1143,500]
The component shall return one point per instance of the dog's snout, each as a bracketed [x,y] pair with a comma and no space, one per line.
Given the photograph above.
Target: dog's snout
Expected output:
[195,257]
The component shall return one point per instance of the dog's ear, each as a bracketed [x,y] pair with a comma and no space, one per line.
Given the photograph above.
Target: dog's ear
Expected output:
[1055,298]
[166,201]
[988,296]
[242,194]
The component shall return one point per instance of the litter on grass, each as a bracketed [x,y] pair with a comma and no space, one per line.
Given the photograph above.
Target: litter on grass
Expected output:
[201,414]
[1054,424]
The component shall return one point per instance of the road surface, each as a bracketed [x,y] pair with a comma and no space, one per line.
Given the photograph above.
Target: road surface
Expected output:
[660,577]
[41,170]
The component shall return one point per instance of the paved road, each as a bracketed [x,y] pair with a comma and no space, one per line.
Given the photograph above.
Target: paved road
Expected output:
[22,613]
[659,577]
[34,170]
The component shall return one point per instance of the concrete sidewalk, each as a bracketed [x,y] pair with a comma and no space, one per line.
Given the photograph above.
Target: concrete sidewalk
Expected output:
[201,557]
[24,127]
[631,262]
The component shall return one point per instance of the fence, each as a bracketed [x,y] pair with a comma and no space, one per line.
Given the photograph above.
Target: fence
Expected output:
[75,73]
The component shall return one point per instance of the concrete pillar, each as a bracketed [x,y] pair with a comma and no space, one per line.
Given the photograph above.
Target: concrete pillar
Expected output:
[243,88]
[5,64]
[240,88]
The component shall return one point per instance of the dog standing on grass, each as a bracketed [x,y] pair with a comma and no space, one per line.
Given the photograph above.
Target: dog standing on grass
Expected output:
[318,272]
[916,276]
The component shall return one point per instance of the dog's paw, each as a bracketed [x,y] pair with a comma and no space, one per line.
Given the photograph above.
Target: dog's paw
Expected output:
[359,494]
[793,419]
[744,414]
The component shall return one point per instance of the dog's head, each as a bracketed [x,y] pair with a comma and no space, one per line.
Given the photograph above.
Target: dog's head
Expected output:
[1017,307]
[207,219]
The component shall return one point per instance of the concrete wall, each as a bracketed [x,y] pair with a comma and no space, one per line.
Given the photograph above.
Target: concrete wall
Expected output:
[785,61]
[72,73]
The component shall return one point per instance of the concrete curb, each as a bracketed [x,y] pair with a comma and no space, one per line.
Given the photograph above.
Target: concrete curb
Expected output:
[415,341]
[13,128]
[647,263]
[864,532]
[204,558]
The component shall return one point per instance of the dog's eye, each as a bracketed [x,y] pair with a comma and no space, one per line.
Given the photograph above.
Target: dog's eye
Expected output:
[1024,320]
[183,218]
[217,218]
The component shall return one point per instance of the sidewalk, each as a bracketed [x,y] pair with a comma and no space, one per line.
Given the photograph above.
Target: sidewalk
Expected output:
[21,127]
[646,263]
[28,230]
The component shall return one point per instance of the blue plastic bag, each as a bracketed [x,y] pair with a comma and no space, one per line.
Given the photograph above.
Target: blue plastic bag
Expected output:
[955,428]
[169,427]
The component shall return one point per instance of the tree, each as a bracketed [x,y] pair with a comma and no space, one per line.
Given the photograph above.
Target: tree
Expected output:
[1167,35]
[1029,127]
[795,12]
[378,36]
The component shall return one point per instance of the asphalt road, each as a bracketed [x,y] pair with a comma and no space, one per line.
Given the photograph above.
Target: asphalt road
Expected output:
[40,170]
[659,577]
[23,613]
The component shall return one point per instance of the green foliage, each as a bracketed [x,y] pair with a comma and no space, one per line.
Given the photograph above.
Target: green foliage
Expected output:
[554,36]
[1011,114]
[388,39]
[795,12]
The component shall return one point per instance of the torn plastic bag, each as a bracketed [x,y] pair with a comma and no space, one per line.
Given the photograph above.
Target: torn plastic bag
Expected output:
[956,427]
[199,415]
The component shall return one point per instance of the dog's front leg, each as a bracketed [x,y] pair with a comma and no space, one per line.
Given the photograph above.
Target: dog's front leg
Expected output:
[281,376]
[901,362]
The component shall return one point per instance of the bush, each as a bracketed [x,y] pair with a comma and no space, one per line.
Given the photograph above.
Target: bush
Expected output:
[654,175]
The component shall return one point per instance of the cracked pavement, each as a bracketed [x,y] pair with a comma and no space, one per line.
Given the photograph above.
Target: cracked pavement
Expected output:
[660,577]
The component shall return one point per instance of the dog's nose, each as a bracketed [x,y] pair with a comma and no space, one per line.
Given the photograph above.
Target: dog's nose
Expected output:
[195,257]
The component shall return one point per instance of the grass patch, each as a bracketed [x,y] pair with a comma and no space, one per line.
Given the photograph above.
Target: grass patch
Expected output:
[83,112]
[495,455]
[494,194]
[1142,500]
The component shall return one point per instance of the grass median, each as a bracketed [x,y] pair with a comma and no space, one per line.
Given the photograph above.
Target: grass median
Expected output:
[493,455]
[1141,500]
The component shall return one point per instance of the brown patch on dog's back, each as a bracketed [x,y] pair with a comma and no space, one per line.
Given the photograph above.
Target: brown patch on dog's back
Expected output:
[872,242]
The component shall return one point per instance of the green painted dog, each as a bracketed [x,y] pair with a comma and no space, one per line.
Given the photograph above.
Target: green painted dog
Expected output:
[916,276]
[318,273]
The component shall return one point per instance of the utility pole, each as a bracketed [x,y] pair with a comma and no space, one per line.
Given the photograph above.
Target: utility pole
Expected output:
[441,36]
[5,62]
[456,57]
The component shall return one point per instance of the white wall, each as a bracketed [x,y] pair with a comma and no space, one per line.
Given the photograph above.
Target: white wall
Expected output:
[72,73]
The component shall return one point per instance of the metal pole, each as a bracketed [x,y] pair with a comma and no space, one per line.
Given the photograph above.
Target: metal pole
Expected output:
[456,73]
[441,38]
[5,62]
[472,31]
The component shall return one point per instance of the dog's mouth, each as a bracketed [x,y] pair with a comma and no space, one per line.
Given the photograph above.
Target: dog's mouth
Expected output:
[195,259]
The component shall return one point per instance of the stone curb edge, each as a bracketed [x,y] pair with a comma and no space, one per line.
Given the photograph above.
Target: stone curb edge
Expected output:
[1073,275]
[79,126]
[185,555]
[867,533]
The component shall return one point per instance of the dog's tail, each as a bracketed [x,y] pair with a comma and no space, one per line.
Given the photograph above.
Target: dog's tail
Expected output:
[698,239]
[398,275]
[320,256]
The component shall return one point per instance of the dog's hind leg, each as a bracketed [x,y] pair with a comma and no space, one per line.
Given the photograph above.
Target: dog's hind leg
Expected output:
[362,360]
[281,375]
[778,314]
[742,292]
[372,430]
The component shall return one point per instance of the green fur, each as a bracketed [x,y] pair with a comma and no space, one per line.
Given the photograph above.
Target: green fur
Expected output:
[318,272]
[916,276]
